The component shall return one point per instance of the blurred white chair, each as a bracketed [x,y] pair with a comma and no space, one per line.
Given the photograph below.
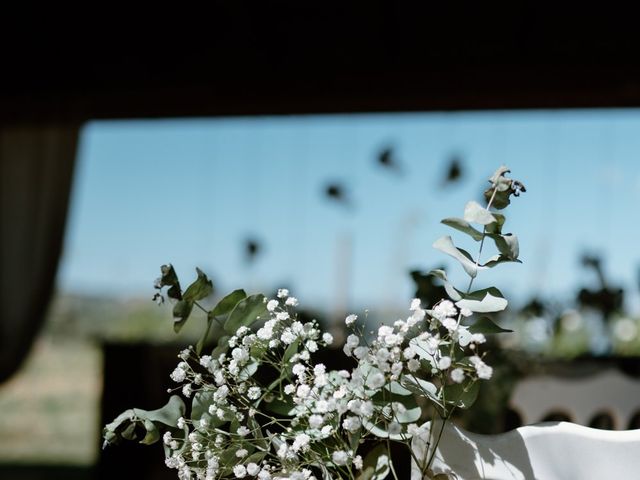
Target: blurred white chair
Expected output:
[580,399]
[547,451]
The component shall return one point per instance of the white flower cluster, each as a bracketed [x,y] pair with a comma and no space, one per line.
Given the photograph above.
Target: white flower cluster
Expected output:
[321,407]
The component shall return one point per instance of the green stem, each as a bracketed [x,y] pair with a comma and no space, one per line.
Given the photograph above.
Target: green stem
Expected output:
[484,235]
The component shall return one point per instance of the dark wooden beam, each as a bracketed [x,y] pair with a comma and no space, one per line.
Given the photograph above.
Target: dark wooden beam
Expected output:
[295,58]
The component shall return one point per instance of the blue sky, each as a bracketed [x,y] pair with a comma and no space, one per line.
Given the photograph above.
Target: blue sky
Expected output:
[190,192]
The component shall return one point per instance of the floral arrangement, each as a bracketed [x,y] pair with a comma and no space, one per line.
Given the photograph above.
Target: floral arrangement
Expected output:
[260,406]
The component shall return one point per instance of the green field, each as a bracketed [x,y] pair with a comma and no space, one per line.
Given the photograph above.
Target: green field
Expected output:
[49,410]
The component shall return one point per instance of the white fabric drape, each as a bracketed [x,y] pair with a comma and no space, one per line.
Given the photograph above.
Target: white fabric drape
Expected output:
[36,166]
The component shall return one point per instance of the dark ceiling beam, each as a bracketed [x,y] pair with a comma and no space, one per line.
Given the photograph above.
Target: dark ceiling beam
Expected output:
[275,58]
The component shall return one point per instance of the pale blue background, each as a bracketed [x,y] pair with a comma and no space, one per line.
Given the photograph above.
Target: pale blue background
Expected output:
[190,191]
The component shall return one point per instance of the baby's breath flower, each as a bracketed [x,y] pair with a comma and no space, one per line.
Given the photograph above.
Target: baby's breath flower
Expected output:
[444,309]
[340,457]
[413,365]
[483,370]
[283,293]
[240,471]
[353,341]
[327,338]
[316,421]
[186,390]
[287,337]
[351,424]
[457,375]
[375,381]
[178,375]
[350,320]
[415,304]
[254,393]
[301,442]
[272,305]
[444,363]
[253,469]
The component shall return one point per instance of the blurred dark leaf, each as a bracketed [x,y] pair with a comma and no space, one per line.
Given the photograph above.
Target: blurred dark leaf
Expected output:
[387,159]
[252,249]
[335,191]
[426,289]
[455,171]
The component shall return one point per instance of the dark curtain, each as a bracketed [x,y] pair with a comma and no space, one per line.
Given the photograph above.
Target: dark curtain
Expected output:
[36,166]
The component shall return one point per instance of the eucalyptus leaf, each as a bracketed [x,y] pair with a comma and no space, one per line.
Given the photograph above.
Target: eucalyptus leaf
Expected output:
[246,312]
[229,459]
[488,304]
[129,432]
[475,213]
[218,314]
[480,294]
[181,311]
[462,395]
[498,259]
[226,305]
[453,292]
[463,226]
[283,406]
[291,350]
[222,347]
[168,414]
[255,457]
[376,464]
[498,179]
[248,370]
[486,326]
[410,415]
[501,199]
[385,398]
[380,431]
[445,245]
[124,425]
[200,289]
[397,389]
[507,245]
[260,441]
[501,189]
[168,278]
[153,435]
[421,387]
[496,227]
[200,404]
